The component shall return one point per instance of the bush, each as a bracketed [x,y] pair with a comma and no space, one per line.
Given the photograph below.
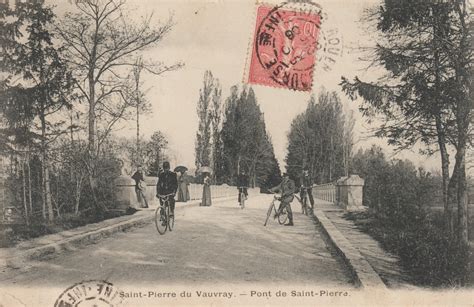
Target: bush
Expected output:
[399,198]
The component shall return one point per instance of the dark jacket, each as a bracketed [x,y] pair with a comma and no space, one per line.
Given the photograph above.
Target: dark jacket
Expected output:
[306,181]
[167,183]
[287,188]
[243,181]
[138,176]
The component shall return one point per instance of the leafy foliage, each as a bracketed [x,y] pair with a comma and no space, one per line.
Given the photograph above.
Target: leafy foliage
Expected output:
[404,222]
[246,144]
[318,140]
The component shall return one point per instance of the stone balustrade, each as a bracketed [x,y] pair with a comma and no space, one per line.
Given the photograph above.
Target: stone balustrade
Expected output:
[325,192]
[347,192]
[127,197]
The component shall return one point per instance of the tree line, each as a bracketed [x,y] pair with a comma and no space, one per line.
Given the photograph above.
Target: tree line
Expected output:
[425,96]
[66,84]
[232,136]
[320,140]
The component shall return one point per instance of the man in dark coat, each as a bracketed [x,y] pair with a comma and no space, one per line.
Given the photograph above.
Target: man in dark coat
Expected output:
[243,182]
[140,186]
[286,188]
[167,184]
[307,185]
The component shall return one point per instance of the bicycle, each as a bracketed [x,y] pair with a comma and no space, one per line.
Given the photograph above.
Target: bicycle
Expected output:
[163,219]
[243,197]
[304,201]
[281,213]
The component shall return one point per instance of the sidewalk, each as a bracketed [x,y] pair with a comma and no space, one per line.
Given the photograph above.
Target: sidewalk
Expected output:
[370,263]
[72,239]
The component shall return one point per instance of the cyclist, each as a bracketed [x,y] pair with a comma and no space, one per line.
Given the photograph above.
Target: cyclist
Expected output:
[242,183]
[307,185]
[167,184]
[286,188]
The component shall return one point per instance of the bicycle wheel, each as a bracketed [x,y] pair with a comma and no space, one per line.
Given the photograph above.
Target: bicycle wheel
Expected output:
[305,205]
[170,218]
[269,212]
[242,200]
[160,220]
[283,216]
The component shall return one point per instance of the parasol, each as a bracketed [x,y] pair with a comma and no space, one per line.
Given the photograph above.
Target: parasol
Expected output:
[180,169]
[204,169]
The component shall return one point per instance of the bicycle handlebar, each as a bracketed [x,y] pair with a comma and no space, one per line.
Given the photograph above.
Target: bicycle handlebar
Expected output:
[164,196]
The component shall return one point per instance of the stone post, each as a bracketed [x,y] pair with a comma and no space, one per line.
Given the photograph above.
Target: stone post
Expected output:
[126,195]
[349,193]
[125,192]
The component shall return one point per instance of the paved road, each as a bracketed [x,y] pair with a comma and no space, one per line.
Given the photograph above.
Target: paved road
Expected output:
[209,244]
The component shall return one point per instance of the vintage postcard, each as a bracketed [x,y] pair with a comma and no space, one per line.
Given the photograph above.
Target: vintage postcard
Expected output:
[236,153]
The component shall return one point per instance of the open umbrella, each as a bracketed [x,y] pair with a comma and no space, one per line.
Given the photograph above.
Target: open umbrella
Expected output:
[180,169]
[205,169]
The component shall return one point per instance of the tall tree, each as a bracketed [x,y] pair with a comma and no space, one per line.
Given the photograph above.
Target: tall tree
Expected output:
[45,81]
[155,152]
[425,95]
[216,122]
[320,139]
[102,43]
[141,103]
[204,108]
[246,143]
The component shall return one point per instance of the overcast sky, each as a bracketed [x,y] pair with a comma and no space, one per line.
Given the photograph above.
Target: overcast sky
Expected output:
[215,35]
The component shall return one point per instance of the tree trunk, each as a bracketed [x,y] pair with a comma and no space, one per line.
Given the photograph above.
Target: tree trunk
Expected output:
[462,191]
[91,119]
[25,204]
[448,209]
[77,195]
[92,136]
[45,171]
[30,198]
[138,131]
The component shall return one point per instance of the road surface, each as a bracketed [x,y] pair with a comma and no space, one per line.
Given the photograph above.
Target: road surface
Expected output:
[209,245]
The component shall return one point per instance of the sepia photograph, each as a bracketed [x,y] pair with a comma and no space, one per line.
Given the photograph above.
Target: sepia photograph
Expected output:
[236,153]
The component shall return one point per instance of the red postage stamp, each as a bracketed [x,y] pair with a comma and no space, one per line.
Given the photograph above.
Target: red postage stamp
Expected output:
[284,47]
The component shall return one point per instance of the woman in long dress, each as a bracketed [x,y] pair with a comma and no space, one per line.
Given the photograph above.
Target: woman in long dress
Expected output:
[183,194]
[206,191]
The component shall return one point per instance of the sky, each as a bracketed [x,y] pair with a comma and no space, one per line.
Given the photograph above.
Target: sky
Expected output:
[215,36]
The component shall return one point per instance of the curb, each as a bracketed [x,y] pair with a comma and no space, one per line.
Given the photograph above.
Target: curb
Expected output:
[18,259]
[363,273]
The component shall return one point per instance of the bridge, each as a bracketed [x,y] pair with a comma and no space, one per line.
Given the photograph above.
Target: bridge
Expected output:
[220,244]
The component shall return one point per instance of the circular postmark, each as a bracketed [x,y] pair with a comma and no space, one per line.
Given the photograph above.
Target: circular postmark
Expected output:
[98,293]
[286,42]
[292,41]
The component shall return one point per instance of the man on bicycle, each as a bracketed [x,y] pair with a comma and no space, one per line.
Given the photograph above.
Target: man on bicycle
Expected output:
[167,184]
[242,183]
[307,186]
[286,188]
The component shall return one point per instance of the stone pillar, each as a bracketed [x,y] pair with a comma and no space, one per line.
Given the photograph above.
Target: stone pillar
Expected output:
[125,192]
[150,192]
[126,195]
[349,192]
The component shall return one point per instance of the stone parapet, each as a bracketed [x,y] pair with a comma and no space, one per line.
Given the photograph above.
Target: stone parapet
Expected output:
[350,192]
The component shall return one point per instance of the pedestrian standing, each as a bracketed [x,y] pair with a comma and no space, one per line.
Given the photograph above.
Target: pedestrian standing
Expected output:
[140,187]
[183,194]
[307,186]
[206,191]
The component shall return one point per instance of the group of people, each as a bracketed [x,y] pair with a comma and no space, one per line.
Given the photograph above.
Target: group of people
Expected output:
[287,189]
[168,183]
